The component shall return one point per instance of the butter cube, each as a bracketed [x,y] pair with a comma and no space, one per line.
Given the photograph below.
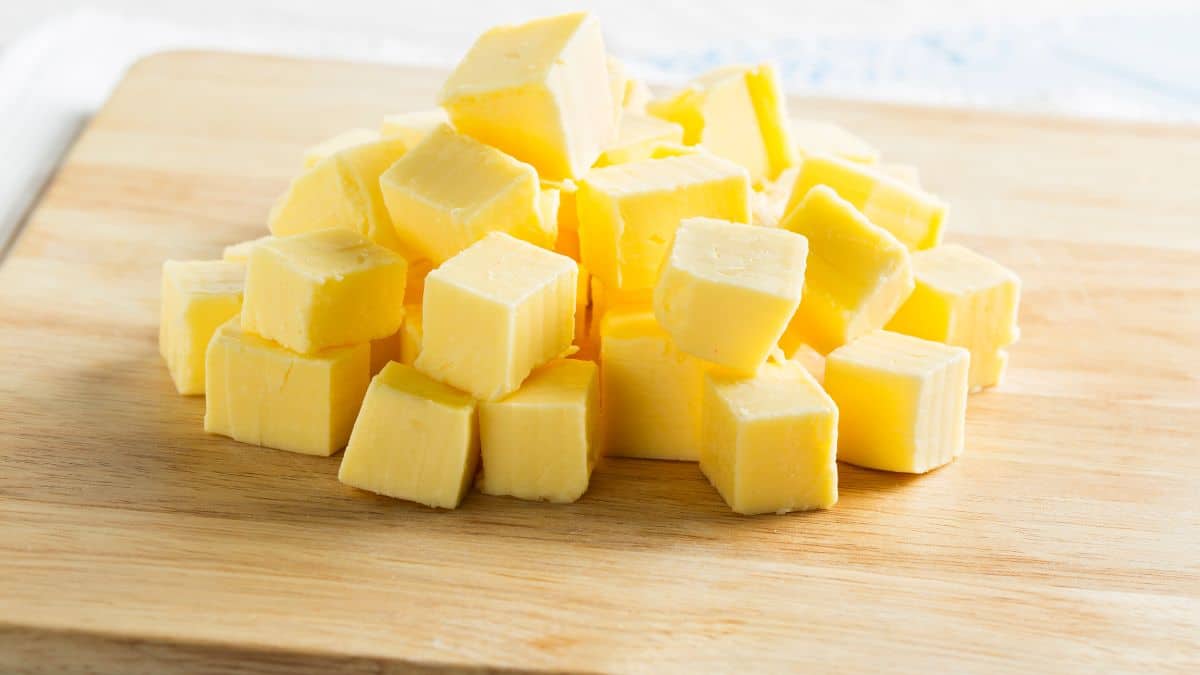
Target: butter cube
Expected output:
[542,441]
[651,391]
[736,112]
[637,137]
[341,191]
[814,138]
[495,312]
[912,215]
[413,127]
[264,394]
[451,190]
[197,297]
[903,401]
[963,298]
[411,334]
[769,442]
[323,289]
[346,139]
[628,213]
[727,291]
[240,252]
[415,439]
[539,91]
[858,274]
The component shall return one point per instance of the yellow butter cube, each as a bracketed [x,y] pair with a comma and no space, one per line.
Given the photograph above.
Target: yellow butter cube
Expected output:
[738,113]
[240,252]
[727,290]
[197,297]
[814,138]
[346,139]
[902,401]
[413,127]
[769,442]
[264,394]
[628,213]
[963,298]
[341,191]
[651,391]
[411,335]
[415,439]
[539,91]
[451,190]
[494,312]
[323,289]
[637,137]
[812,360]
[542,441]
[912,215]
[858,274]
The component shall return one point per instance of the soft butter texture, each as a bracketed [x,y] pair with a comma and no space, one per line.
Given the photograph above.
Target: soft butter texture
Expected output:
[858,274]
[913,216]
[197,297]
[769,442]
[540,91]
[323,289]
[414,439]
[651,390]
[451,190]
[495,312]
[727,290]
[902,400]
[542,441]
[966,299]
[263,394]
[628,213]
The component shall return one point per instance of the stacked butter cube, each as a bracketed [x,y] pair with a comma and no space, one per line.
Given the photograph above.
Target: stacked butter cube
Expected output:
[553,266]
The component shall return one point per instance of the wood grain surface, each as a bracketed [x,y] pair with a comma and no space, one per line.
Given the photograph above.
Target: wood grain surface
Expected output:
[1067,538]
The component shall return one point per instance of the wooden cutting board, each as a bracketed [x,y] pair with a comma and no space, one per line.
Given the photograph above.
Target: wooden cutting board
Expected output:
[1066,538]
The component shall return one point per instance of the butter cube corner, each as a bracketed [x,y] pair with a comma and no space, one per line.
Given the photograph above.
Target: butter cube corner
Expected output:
[197,297]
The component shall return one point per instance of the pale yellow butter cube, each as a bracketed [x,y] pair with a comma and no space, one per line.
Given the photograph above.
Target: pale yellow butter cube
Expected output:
[815,137]
[264,394]
[736,112]
[411,334]
[451,190]
[347,139]
[812,360]
[413,127]
[341,191]
[323,289]
[542,441]
[494,312]
[769,442]
[628,213]
[651,391]
[637,138]
[197,297]
[240,252]
[966,299]
[539,91]
[912,215]
[858,274]
[727,290]
[415,439]
[902,401]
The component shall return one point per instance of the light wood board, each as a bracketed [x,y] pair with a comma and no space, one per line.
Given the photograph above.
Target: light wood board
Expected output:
[1067,537]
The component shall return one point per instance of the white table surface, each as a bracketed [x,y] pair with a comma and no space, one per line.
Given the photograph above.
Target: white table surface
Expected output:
[1109,58]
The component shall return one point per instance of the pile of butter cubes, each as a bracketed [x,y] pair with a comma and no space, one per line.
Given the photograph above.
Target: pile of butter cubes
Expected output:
[554,266]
